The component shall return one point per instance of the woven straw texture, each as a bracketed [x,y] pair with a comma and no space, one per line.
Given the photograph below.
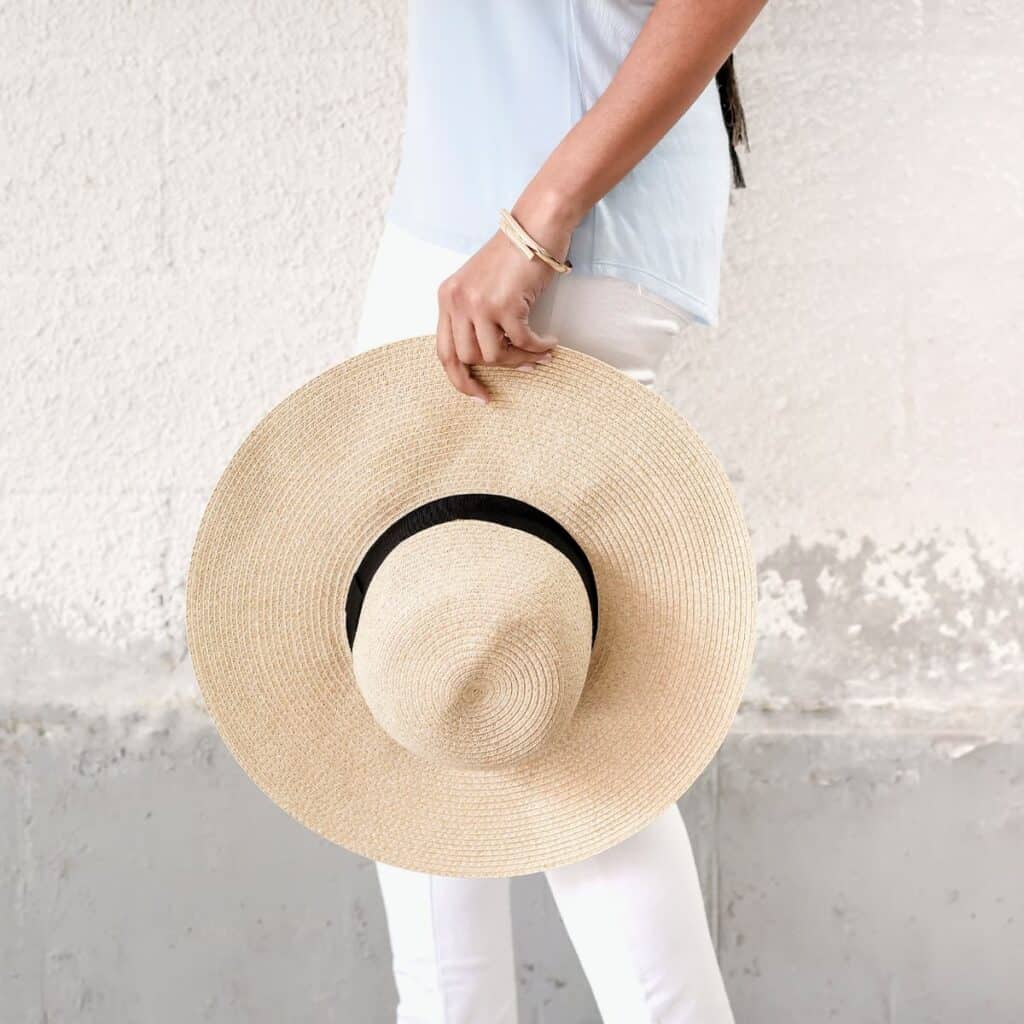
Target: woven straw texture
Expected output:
[341,458]
[474,661]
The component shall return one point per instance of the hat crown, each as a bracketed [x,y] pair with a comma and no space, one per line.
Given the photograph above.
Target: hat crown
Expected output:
[473,644]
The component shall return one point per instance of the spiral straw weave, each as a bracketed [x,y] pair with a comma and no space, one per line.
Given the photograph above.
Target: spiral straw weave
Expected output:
[580,763]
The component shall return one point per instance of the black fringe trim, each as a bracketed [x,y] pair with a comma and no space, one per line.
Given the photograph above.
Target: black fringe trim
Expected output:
[732,114]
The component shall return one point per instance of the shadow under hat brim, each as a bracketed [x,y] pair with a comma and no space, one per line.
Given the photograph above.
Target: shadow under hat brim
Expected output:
[345,455]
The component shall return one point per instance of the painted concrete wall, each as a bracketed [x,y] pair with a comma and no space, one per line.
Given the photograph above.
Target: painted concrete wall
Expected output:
[189,194]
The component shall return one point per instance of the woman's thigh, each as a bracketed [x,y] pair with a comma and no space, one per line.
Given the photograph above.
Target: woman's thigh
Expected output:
[400,300]
[634,913]
[607,317]
[451,947]
[636,918]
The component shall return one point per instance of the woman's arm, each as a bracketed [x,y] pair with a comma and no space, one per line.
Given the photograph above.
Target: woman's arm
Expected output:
[677,52]
[674,56]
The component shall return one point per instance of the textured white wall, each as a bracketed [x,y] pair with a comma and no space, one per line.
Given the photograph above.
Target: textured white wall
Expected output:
[190,193]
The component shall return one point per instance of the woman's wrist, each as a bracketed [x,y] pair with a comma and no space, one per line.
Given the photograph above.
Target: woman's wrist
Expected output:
[548,216]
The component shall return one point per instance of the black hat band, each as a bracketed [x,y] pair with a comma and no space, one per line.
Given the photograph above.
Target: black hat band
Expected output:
[494,508]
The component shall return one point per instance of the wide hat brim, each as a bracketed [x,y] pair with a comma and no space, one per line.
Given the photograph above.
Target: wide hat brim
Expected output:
[348,453]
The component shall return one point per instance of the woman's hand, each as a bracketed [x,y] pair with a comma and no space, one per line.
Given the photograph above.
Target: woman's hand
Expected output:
[484,308]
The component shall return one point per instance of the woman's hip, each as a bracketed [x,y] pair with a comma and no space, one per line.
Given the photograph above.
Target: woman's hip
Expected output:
[607,317]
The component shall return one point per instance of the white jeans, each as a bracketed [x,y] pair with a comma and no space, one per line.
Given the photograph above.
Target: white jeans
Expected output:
[634,912]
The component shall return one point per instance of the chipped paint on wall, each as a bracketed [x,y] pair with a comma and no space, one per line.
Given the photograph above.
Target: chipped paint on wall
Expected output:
[926,627]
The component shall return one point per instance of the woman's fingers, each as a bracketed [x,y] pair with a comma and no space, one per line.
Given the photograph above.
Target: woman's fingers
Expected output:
[453,340]
[473,329]
[464,332]
[456,370]
[524,337]
[493,346]
[497,348]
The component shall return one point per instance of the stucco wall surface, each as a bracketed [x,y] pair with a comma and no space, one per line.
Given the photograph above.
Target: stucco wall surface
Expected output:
[190,193]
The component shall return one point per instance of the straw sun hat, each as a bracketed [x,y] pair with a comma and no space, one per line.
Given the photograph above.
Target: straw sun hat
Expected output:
[472,640]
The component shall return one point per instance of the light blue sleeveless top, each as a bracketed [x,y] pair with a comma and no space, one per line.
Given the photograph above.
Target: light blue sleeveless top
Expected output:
[492,89]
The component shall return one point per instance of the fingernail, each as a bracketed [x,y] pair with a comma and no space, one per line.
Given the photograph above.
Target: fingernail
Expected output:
[526,367]
[477,398]
[546,358]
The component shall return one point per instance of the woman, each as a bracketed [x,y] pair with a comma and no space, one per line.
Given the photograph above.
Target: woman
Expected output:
[608,129]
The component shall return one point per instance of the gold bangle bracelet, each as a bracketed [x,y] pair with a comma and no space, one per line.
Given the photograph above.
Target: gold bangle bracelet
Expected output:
[528,245]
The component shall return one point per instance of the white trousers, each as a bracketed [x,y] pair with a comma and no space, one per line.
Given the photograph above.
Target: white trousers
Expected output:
[634,912]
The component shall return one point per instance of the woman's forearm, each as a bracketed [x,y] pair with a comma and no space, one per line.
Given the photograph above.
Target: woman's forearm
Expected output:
[676,53]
